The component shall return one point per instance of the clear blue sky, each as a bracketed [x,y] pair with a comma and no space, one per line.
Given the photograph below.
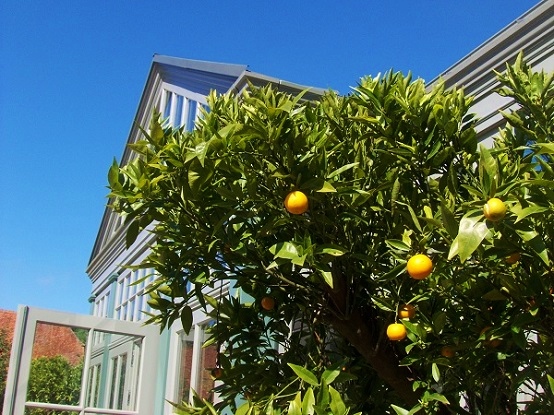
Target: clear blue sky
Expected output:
[71,75]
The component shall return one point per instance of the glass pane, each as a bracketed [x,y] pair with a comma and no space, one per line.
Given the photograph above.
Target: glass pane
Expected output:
[167,109]
[57,365]
[191,115]
[119,366]
[93,391]
[208,362]
[113,372]
[185,366]
[179,111]
[56,375]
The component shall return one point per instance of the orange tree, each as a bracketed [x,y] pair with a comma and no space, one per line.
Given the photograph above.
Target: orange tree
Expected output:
[390,171]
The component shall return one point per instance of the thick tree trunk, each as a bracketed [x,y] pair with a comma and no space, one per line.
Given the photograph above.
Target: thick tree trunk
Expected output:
[356,330]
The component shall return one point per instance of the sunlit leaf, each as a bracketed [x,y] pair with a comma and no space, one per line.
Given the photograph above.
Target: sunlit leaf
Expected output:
[304,374]
[436,372]
[471,233]
[308,402]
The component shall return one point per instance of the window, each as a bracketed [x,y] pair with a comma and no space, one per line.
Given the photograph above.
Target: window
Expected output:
[119,371]
[101,305]
[208,361]
[180,107]
[196,364]
[185,366]
[178,119]
[167,104]
[93,385]
[191,114]
[130,304]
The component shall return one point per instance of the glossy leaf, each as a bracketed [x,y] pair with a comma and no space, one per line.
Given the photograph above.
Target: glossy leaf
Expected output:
[304,374]
[471,233]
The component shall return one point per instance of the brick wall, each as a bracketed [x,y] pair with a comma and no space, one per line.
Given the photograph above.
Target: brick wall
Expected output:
[209,361]
[50,340]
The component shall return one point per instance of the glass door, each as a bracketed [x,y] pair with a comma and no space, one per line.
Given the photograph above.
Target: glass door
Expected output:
[69,364]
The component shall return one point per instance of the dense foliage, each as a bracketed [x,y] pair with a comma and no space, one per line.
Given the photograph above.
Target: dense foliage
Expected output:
[392,170]
[4,362]
[53,380]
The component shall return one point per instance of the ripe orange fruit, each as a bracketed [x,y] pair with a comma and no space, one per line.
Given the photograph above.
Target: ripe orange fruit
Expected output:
[396,331]
[268,303]
[406,311]
[513,258]
[494,210]
[448,351]
[419,266]
[296,202]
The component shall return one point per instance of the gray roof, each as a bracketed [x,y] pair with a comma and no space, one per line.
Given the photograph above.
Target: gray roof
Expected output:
[197,76]
[530,33]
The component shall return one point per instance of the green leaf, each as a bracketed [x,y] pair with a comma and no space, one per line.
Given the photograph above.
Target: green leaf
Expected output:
[534,240]
[448,220]
[113,176]
[399,410]
[198,175]
[287,250]
[132,233]
[210,300]
[341,170]
[304,374]
[397,245]
[551,383]
[295,406]
[415,328]
[308,402]
[330,375]
[243,409]
[327,277]
[470,235]
[494,295]
[435,372]
[330,249]
[488,170]
[326,187]
[413,215]
[439,321]
[545,148]
[437,397]
[337,405]
[531,210]
[186,318]
[383,304]
[323,396]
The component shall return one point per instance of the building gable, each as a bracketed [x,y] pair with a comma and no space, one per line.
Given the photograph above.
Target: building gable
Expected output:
[191,78]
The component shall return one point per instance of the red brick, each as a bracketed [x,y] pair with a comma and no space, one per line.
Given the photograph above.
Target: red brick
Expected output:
[50,340]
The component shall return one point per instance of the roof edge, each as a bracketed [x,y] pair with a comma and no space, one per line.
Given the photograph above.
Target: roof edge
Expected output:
[200,65]
[538,14]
